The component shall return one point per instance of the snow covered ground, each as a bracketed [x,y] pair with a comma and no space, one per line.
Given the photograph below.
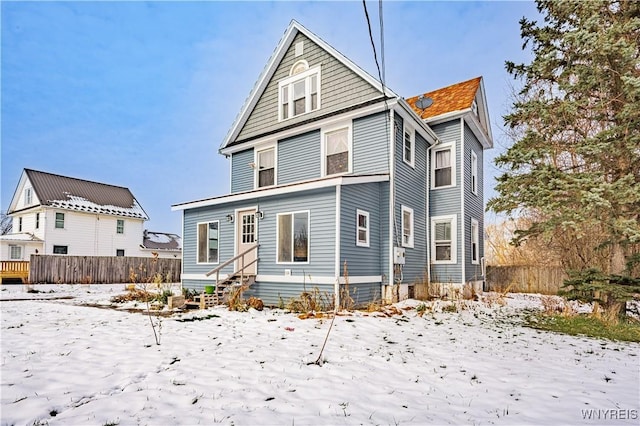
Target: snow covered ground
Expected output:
[69,364]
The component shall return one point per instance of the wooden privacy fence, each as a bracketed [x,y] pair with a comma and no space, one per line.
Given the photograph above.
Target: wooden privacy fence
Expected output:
[100,269]
[525,279]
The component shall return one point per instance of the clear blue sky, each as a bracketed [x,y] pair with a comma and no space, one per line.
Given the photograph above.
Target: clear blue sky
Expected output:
[142,94]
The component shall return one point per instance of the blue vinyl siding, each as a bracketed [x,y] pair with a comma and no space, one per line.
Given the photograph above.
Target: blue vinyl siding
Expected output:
[361,294]
[371,144]
[446,201]
[473,204]
[299,158]
[411,191]
[190,237]
[279,294]
[384,231]
[361,261]
[242,174]
[321,207]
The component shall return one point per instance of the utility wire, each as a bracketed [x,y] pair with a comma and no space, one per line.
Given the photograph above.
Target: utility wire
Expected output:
[373,45]
[384,77]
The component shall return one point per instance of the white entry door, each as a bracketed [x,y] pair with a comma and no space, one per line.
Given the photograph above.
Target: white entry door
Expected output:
[247,238]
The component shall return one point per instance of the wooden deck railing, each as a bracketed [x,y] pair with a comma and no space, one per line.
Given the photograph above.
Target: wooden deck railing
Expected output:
[14,269]
[240,270]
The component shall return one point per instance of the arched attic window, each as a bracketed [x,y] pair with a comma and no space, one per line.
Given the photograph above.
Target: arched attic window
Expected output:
[300,92]
[298,67]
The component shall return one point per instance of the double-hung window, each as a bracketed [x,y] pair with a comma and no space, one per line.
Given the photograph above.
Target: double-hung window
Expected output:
[293,237]
[120,226]
[266,167]
[208,242]
[15,252]
[37,220]
[299,93]
[475,242]
[362,228]
[443,243]
[336,144]
[408,145]
[27,196]
[474,173]
[19,224]
[443,167]
[407,226]
[59,221]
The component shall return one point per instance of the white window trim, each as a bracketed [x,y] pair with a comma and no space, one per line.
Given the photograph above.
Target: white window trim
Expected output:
[453,219]
[120,233]
[323,167]
[476,234]
[20,224]
[256,163]
[198,245]
[409,210]
[412,138]
[474,173]
[28,196]
[292,213]
[289,82]
[298,62]
[55,220]
[37,220]
[442,147]
[20,252]
[367,229]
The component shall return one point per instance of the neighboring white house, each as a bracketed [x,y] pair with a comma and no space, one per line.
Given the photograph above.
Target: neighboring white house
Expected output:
[55,214]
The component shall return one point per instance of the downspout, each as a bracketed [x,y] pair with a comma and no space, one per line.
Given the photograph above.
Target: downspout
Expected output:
[336,288]
[462,232]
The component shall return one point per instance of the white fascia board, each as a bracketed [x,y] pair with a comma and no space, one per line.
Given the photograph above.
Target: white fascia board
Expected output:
[269,70]
[470,118]
[17,192]
[295,279]
[261,84]
[478,130]
[486,109]
[287,189]
[314,125]
[408,113]
[346,61]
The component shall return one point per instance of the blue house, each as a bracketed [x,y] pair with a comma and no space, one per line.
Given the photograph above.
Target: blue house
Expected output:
[336,179]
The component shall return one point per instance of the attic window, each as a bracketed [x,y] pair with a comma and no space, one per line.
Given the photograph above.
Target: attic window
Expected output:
[299,93]
[27,197]
[299,67]
[474,107]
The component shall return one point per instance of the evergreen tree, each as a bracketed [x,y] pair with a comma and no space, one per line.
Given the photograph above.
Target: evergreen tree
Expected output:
[575,162]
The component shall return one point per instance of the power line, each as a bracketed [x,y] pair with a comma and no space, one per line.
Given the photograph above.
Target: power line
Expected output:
[373,45]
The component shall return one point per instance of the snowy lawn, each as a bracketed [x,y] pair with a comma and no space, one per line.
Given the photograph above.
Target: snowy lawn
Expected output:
[64,363]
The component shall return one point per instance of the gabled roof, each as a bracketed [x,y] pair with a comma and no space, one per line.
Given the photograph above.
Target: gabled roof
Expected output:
[284,44]
[161,241]
[457,97]
[456,101]
[80,195]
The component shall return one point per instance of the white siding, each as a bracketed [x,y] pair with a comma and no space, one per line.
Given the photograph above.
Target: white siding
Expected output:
[88,234]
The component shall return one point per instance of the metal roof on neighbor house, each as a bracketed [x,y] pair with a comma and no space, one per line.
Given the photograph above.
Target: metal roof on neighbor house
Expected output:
[83,195]
[161,241]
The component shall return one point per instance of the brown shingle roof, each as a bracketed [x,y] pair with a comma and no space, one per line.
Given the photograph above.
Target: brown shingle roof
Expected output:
[456,97]
[83,195]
